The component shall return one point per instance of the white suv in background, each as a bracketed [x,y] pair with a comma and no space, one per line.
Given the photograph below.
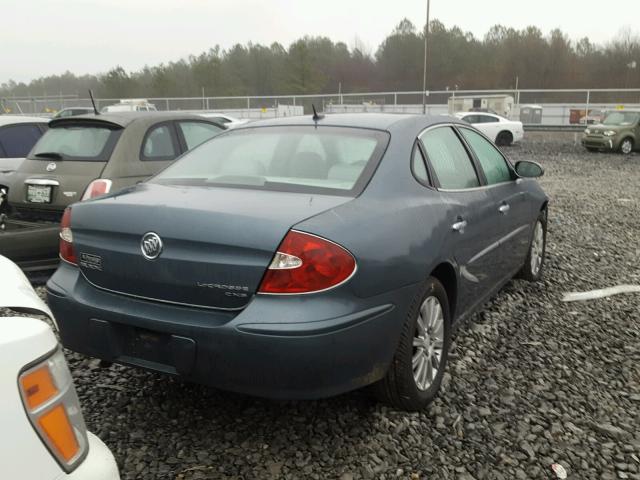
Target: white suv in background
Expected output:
[499,129]
[44,435]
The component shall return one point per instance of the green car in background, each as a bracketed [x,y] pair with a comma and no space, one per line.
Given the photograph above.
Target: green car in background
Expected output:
[618,132]
[82,157]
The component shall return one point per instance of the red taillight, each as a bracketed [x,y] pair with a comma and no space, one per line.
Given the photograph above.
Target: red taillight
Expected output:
[305,263]
[67,252]
[98,187]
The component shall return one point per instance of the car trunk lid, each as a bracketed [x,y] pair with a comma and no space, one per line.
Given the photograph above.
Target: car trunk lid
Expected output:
[216,242]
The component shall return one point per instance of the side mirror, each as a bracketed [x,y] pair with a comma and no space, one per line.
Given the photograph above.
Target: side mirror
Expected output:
[527,169]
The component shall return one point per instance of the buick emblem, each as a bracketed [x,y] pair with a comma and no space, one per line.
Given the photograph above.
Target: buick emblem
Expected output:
[51,167]
[151,246]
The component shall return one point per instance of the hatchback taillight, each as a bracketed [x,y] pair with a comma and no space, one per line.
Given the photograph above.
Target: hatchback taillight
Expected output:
[98,187]
[67,252]
[306,263]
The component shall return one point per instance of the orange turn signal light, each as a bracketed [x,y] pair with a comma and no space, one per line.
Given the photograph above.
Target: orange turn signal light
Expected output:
[57,427]
[38,387]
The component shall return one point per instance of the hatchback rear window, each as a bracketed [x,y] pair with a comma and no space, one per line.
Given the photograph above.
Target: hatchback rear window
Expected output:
[295,158]
[76,142]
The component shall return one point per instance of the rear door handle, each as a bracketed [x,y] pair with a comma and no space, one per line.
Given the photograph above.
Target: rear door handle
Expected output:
[459,226]
[504,208]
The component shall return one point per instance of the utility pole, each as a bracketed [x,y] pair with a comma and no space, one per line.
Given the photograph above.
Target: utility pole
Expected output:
[424,74]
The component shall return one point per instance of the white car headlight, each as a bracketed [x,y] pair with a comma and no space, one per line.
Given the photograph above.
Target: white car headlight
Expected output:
[587,131]
[610,133]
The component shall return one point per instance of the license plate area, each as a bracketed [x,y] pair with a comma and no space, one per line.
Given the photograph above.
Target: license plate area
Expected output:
[147,345]
[39,193]
[163,352]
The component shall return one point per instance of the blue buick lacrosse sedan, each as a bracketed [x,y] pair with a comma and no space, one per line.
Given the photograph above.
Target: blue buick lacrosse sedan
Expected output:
[302,257]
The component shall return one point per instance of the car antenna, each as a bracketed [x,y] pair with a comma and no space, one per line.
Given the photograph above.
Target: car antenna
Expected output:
[93,102]
[316,115]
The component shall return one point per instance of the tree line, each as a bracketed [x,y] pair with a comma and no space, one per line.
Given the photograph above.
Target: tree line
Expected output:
[311,65]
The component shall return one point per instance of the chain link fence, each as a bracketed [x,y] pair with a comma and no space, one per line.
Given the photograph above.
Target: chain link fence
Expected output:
[554,107]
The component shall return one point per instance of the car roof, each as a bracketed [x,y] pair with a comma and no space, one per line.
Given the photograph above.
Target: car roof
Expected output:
[11,119]
[123,119]
[379,121]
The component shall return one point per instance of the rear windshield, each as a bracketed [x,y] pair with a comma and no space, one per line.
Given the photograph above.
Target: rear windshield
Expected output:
[295,158]
[76,142]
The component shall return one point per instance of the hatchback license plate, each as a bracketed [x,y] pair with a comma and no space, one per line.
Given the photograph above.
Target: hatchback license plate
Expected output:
[38,194]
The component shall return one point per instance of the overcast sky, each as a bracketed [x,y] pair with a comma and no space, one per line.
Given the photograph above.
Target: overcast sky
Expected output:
[40,37]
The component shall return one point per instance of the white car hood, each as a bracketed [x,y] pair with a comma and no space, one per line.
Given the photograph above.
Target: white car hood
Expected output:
[16,292]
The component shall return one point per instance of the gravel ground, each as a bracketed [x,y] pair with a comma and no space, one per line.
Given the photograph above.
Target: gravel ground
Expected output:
[532,381]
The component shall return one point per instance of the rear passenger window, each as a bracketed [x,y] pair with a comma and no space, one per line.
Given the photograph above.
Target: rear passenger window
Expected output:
[195,133]
[487,119]
[449,159]
[418,166]
[18,140]
[159,144]
[493,163]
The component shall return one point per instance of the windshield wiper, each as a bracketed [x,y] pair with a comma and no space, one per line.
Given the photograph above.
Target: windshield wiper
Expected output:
[54,155]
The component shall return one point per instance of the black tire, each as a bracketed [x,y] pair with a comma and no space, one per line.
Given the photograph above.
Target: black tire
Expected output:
[528,272]
[504,139]
[623,148]
[591,149]
[399,388]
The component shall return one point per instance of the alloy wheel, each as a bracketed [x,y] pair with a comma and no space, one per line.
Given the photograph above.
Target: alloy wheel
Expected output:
[428,343]
[626,146]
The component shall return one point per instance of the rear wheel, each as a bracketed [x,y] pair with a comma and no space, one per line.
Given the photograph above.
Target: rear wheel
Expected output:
[417,368]
[532,269]
[504,138]
[626,147]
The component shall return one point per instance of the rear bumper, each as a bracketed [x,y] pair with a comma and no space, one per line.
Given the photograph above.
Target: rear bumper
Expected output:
[296,347]
[33,246]
[98,465]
